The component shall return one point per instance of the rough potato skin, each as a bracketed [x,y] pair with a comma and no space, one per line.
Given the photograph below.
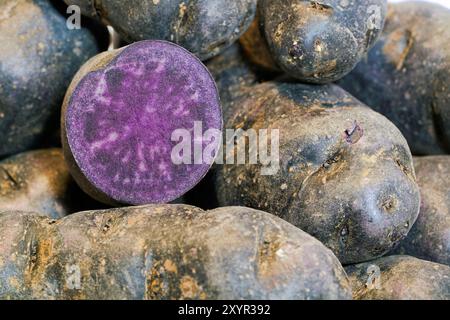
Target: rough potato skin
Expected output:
[255,47]
[105,60]
[429,238]
[164,252]
[40,181]
[346,174]
[232,72]
[400,278]
[204,27]
[39,56]
[410,65]
[320,41]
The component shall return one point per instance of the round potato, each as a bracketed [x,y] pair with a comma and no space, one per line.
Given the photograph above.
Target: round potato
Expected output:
[342,172]
[319,41]
[204,27]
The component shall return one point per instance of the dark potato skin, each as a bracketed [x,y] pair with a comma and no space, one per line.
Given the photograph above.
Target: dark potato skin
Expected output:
[429,238]
[320,41]
[40,181]
[38,58]
[346,174]
[400,278]
[204,27]
[164,252]
[232,72]
[255,48]
[406,76]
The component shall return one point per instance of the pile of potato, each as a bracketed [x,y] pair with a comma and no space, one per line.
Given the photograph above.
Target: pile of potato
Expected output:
[94,205]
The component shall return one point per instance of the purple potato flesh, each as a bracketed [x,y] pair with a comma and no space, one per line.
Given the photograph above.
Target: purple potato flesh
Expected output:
[119,120]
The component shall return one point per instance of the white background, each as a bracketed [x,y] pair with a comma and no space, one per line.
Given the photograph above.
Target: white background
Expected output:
[445,3]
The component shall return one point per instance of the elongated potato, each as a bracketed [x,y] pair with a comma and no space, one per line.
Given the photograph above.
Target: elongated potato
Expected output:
[400,278]
[406,76]
[40,181]
[204,27]
[345,172]
[164,252]
[429,238]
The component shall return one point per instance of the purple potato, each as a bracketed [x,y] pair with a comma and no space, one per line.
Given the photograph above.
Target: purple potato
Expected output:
[119,116]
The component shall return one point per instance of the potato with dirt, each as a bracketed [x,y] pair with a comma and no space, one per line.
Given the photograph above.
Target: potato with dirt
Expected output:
[316,41]
[40,181]
[164,252]
[343,173]
[406,76]
[400,278]
[255,48]
[429,238]
[204,27]
[38,58]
